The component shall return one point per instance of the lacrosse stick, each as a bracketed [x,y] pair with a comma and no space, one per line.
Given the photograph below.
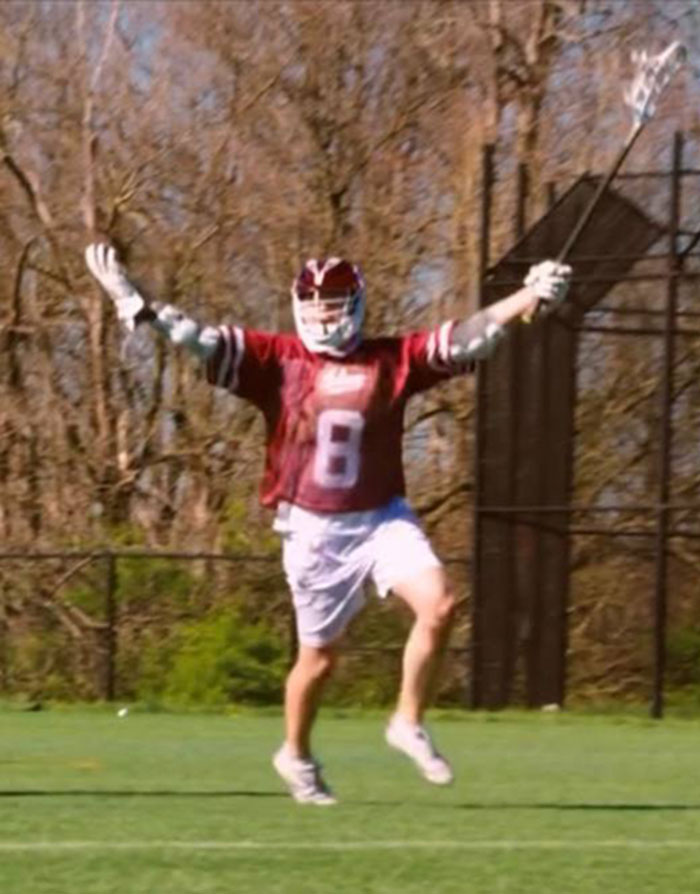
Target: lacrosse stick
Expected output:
[652,75]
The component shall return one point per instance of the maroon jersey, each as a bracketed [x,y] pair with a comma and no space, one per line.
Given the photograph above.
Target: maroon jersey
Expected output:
[334,424]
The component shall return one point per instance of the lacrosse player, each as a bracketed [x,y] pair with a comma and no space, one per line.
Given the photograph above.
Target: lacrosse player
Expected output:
[333,404]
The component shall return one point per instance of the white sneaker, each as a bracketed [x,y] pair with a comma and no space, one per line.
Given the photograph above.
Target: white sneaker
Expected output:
[415,742]
[303,778]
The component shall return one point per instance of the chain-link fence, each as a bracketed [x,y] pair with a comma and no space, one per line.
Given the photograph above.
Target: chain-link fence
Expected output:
[147,625]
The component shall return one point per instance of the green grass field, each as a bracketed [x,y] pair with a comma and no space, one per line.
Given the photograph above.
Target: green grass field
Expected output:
[154,803]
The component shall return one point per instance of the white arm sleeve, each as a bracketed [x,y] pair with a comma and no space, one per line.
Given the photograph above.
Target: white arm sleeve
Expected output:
[475,338]
[182,330]
[133,309]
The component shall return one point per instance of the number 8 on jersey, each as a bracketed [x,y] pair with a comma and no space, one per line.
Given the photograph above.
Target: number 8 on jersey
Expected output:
[338,440]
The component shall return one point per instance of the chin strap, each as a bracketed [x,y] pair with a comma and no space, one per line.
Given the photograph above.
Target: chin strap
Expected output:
[317,347]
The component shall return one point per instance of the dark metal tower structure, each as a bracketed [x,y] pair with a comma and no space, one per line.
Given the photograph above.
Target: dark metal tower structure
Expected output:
[526,396]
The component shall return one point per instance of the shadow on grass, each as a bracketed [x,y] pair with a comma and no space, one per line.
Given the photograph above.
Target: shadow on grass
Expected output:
[582,806]
[578,806]
[533,806]
[355,802]
[134,793]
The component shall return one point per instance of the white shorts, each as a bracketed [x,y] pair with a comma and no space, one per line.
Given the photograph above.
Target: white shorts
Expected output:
[328,557]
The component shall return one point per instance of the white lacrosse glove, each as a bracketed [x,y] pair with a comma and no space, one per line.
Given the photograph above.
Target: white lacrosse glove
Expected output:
[550,282]
[111,275]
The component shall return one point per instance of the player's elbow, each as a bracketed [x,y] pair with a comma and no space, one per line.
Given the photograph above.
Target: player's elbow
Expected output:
[475,338]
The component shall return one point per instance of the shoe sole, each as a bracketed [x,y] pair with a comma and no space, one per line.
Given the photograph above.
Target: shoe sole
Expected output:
[401,750]
[327,800]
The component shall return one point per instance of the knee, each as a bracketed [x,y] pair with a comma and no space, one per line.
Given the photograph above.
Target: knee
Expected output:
[446,609]
[317,663]
[439,611]
[326,661]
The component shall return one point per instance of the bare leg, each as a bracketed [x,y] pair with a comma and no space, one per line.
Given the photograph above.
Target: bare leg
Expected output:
[302,694]
[294,761]
[432,603]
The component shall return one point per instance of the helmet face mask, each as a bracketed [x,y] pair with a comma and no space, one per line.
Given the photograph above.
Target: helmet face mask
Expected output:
[328,299]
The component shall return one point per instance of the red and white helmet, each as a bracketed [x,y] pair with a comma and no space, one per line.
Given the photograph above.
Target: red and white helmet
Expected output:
[328,300]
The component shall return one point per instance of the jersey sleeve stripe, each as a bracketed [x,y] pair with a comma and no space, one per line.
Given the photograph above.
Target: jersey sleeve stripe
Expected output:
[224,366]
[444,338]
[238,356]
[225,362]
[438,347]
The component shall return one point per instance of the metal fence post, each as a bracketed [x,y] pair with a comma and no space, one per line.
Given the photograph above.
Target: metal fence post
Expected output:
[4,646]
[110,674]
[476,693]
[675,264]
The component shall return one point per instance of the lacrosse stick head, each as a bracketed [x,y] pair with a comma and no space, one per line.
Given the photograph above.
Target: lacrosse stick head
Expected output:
[652,76]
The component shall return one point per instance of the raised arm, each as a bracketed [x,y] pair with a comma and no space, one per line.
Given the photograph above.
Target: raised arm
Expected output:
[474,338]
[134,309]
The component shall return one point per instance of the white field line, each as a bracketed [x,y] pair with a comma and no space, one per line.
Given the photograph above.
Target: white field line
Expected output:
[399,844]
